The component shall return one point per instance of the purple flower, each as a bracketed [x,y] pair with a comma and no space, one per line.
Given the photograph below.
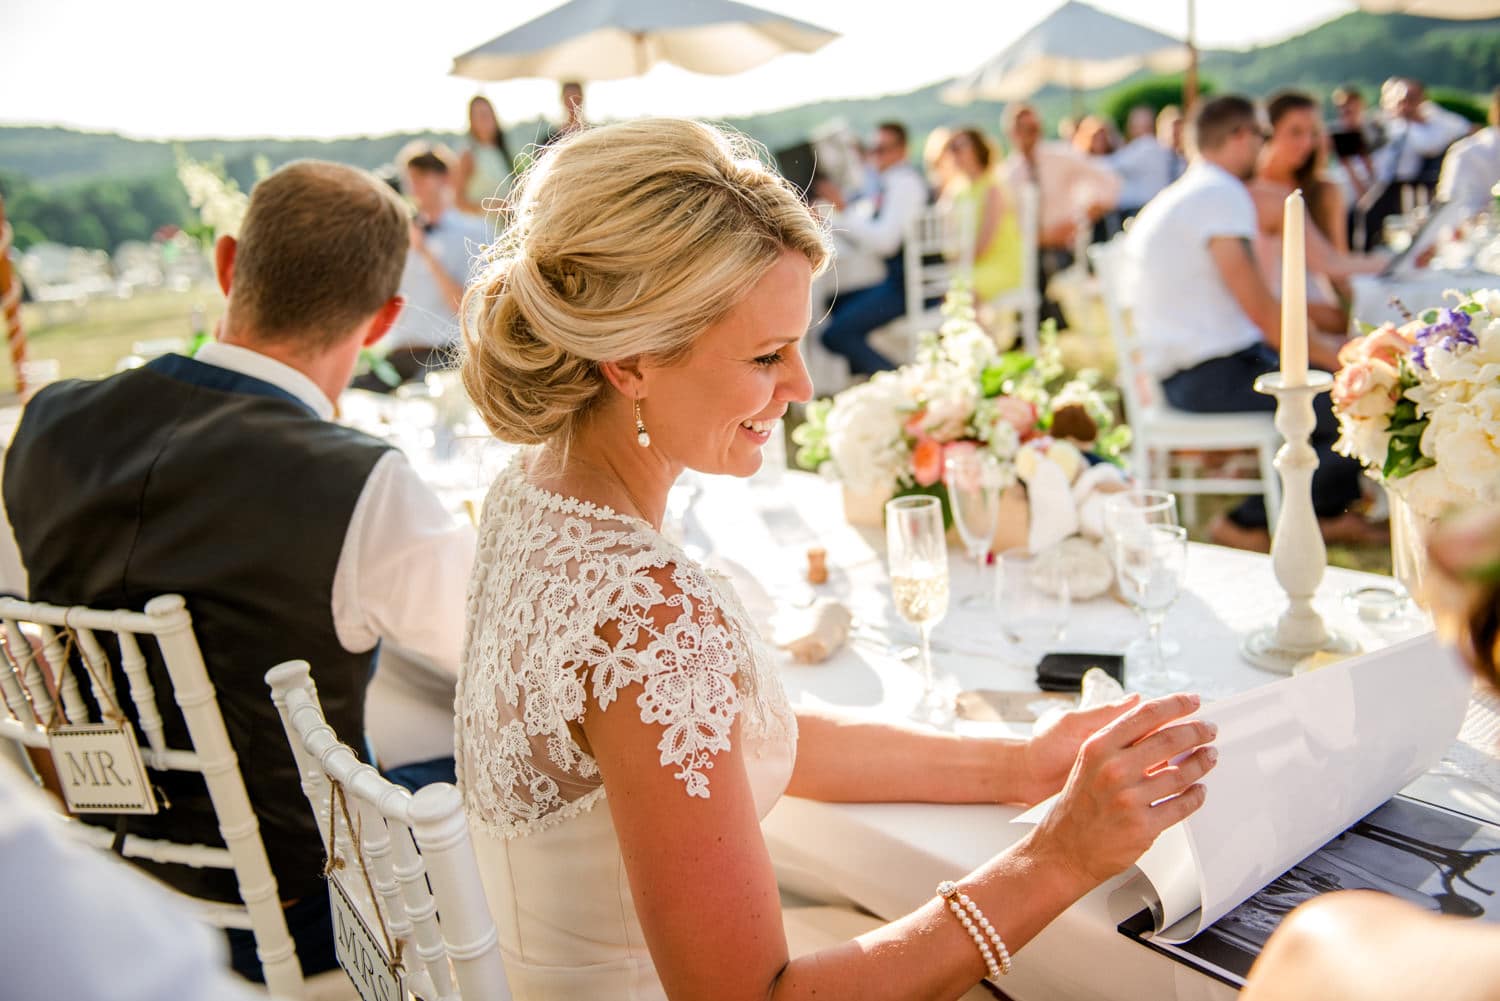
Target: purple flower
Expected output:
[1447,332]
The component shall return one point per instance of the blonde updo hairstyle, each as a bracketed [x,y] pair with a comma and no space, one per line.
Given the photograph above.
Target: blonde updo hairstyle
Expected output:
[629,240]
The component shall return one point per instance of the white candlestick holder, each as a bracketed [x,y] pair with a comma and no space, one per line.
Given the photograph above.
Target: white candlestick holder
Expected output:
[1298,555]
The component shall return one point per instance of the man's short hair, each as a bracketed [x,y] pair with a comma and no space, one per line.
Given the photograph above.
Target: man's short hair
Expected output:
[321,249]
[1348,92]
[1013,111]
[1218,119]
[896,129]
[428,162]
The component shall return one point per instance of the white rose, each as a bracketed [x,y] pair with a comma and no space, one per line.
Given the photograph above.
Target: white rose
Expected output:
[1364,440]
[1429,492]
[865,434]
[1464,448]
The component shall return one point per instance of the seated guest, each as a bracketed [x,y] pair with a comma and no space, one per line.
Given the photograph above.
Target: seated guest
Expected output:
[1292,159]
[876,228]
[1418,132]
[1143,163]
[223,479]
[982,195]
[1471,170]
[1073,191]
[1207,320]
[443,243]
[1169,132]
[1359,945]
[1355,138]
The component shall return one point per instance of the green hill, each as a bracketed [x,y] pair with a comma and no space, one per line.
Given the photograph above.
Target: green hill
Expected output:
[95,189]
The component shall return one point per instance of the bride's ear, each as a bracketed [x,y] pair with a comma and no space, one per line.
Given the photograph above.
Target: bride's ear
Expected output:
[626,376]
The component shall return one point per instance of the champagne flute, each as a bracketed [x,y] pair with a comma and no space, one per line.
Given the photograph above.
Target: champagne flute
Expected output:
[1150,570]
[1133,509]
[974,480]
[917,551]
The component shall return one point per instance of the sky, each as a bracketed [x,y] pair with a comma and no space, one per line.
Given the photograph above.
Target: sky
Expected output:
[326,68]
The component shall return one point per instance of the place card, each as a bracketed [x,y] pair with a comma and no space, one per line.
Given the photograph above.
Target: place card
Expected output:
[100,769]
[376,977]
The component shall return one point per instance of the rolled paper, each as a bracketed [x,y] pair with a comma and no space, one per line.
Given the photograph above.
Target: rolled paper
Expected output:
[1293,293]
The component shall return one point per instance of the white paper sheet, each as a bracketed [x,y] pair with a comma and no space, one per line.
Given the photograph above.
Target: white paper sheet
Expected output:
[1300,760]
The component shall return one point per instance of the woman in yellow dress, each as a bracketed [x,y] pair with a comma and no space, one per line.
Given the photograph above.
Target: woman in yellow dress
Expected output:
[981,194]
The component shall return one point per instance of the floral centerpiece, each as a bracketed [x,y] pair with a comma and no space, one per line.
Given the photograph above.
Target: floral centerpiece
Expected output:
[1419,406]
[888,437]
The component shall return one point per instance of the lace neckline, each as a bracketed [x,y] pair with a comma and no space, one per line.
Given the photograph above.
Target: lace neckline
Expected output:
[561,503]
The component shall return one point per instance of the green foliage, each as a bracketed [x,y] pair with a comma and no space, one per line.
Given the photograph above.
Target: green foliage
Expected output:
[1404,455]
[98,214]
[1156,92]
[936,490]
[811,436]
[1461,102]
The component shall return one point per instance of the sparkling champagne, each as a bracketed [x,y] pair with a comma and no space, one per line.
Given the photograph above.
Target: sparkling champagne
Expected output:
[921,597]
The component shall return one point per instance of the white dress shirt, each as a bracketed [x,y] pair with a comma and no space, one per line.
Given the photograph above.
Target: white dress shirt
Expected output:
[1145,168]
[879,227]
[427,320]
[1409,142]
[85,926]
[1471,170]
[401,577]
[1068,183]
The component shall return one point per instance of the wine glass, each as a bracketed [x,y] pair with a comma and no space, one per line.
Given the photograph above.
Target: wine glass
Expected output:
[1033,599]
[974,480]
[1151,565]
[917,551]
[1132,509]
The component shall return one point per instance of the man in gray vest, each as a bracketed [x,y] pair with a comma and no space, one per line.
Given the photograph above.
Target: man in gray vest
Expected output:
[222,478]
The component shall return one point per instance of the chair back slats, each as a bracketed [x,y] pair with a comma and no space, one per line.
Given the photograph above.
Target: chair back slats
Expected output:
[32,709]
[415,848]
[143,694]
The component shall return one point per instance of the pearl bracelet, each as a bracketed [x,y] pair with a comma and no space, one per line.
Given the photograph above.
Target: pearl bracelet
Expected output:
[986,938]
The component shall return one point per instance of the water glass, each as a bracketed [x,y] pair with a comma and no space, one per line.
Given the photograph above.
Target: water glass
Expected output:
[974,481]
[1150,570]
[1132,510]
[1033,599]
[917,553]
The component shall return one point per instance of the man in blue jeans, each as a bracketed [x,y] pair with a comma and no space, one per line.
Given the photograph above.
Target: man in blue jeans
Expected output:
[876,226]
[1210,325]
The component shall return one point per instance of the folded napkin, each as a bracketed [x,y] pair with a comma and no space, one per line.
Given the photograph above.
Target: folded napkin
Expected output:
[814,634]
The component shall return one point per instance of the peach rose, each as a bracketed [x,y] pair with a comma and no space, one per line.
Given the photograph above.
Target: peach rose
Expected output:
[1019,414]
[927,462]
[1365,388]
[1386,344]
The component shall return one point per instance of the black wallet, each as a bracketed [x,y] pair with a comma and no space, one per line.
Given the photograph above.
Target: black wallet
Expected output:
[1063,672]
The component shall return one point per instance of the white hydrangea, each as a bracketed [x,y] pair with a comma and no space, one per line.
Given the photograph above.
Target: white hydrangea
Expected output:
[865,438]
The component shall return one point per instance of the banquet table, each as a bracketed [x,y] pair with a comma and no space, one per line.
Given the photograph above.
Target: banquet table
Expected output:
[1376,296]
[887,857]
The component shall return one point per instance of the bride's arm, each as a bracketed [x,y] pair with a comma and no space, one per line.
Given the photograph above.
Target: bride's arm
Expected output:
[843,758]
[667,740]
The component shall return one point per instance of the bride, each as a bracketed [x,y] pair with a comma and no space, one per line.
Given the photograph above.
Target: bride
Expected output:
[621,729]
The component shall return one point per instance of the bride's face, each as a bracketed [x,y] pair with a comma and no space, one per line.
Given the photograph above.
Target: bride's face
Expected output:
[712,411]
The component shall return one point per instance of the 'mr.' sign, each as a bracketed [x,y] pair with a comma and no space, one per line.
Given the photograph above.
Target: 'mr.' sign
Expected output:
[99,766]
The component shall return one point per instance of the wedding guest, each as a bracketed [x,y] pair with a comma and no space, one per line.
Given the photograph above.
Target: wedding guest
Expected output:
[573,121]
[1094,137]
[1143,163]
[1208,322]
[1418,132]
[937,162]
[877,229]
[1366,946]
[484,170]
[1471,170]
[1355,138]
[1073,192]
[443,243]
[622,727]
[982,196]
[1169,132]
[223,478]
[1292,159]
[88,928]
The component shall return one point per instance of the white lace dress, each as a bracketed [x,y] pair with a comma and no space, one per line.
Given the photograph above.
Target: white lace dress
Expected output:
[553,575]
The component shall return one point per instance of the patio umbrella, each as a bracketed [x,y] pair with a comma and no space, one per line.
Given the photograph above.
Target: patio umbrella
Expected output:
[1076,46]
[1454,10]
[610,39]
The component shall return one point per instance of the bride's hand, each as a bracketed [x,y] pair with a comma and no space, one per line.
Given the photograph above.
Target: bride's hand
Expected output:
[1053,747]
[1105,819]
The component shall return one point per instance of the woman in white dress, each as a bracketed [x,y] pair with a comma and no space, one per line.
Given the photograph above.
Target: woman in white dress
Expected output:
[621,728]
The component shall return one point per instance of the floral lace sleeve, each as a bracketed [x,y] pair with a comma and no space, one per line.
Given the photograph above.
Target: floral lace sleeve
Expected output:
[661,628]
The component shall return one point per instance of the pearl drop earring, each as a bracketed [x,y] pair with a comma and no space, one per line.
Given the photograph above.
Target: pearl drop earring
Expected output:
[642,438]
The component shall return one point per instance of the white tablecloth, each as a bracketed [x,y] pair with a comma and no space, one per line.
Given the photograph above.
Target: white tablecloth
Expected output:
[1416,290]
[888,857]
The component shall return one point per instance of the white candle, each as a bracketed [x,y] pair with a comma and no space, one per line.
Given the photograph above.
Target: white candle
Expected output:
[1293,294]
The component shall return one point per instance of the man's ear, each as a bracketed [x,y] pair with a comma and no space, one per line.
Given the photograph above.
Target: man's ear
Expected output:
[385,316]
[626,376]
[224,251]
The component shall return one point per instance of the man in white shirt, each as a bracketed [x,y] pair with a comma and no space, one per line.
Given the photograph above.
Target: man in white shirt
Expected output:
[1143,164]
[1073,193]
[1471,170]
[223,479]
[444,242]
[1207,321]
[875,228]
[1418,132]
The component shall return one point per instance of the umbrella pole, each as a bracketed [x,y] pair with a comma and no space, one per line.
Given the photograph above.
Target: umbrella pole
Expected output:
[1190,83]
